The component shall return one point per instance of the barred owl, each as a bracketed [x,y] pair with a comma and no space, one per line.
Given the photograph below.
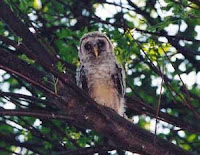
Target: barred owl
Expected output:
[99,73]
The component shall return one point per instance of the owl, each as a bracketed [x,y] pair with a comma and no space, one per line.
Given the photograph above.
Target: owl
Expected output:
[99,73]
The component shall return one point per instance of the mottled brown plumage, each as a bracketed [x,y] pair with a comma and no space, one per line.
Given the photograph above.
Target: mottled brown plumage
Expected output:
[99,74]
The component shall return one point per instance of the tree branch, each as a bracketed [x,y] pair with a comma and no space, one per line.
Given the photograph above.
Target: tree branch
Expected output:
[8,63]
[37,114]
[10,139]
[22,31]
[142,107]
[88,150]
[24,97]
[197,2]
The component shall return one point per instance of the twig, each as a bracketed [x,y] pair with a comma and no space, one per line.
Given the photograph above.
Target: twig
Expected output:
[159,103]
[38,114]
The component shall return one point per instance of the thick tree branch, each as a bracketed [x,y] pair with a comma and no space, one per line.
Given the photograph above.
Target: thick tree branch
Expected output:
[22,31]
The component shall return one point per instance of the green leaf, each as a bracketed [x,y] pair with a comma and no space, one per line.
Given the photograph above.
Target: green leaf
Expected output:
[60,67]
[26,59]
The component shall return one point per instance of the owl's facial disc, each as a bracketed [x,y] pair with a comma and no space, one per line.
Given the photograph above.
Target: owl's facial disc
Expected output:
[95,47]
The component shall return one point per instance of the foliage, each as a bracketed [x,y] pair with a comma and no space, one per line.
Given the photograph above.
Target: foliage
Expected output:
[155,41]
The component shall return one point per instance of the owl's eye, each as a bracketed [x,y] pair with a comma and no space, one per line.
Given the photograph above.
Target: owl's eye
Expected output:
[88,46]
[100,44]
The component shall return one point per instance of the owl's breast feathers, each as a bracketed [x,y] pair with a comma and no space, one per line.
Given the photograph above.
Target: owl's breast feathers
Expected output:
[105,94]
[104,84]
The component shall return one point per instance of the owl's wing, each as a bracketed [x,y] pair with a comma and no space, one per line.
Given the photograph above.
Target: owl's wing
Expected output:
[119,79]
[81,79]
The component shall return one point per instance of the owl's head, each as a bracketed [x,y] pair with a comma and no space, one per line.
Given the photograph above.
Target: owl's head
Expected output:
[95,45]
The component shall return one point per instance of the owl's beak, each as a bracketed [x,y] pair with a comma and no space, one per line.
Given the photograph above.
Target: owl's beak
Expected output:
[96,52]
